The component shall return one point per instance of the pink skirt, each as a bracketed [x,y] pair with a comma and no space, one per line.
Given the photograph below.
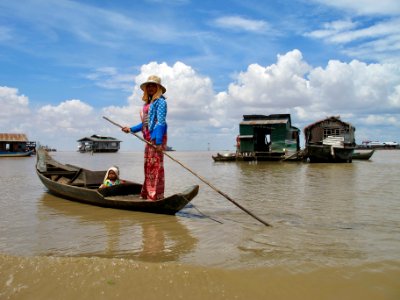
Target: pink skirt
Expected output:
[154,178]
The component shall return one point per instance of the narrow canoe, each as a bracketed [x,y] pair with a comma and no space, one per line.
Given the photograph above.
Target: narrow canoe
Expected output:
[365,155]
[224,157]
[82,185]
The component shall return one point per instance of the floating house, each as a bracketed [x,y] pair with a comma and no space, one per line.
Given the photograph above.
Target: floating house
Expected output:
[329,140]
[97,143]
[269,137]
[15,144]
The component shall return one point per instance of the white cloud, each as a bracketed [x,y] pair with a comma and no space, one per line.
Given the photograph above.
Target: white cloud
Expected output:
[89,24]
[385,50]
[15,114]
[110,78]
[69,116]
[188,93]
[365,7]
[331,29]
[12,103]
[379,120]
[188,98]
[379,41]
[354,86]
[240,23]
[366,95]
[266,90]
[341,32]
[394,98]
[351,90]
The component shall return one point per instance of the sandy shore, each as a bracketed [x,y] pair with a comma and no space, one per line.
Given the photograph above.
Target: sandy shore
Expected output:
[99,278]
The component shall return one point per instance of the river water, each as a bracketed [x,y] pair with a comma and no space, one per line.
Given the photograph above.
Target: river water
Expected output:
[335,233]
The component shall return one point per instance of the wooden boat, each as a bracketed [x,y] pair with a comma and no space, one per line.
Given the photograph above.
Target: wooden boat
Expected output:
[364,155]
[15,154]
[82,185]
[327,153]
[329,140]
[224,157]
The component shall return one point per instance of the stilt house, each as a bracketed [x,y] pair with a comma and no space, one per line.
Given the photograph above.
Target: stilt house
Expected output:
[330,140]
[15,144]
[269,137]
[97,143]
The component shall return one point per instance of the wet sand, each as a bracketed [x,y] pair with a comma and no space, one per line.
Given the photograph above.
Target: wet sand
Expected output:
[100,278]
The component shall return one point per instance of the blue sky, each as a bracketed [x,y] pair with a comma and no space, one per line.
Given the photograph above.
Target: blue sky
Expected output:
[65,64]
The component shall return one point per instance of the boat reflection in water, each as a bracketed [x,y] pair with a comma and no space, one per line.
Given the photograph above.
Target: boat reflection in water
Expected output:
[86,231]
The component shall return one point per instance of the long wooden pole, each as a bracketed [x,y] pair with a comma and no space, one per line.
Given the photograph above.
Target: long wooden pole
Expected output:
[198,176]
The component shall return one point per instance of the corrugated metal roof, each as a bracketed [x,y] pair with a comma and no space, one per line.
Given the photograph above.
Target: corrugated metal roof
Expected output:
[264,122]
[13,137]
[333,118]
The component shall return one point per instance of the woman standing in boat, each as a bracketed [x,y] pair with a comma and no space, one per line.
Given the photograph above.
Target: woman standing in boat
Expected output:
[154,128]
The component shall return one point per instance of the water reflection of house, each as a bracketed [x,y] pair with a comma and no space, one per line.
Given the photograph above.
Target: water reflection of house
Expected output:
[16,144]
[329,140]
[269,137]
[97,143]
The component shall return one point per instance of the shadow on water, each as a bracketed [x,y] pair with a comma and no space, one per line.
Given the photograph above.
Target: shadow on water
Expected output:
[85,231]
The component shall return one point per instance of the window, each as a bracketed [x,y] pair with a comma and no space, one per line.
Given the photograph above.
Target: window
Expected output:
[333,132]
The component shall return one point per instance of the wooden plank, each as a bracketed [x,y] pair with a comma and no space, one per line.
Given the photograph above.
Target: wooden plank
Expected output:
[58,172]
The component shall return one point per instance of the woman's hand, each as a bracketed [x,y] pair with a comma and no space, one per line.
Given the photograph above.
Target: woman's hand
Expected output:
[126,129]
[159,148]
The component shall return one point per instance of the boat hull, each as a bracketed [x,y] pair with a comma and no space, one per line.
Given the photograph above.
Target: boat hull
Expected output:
[363,155]
[224,157]
[325,153]
[15,154]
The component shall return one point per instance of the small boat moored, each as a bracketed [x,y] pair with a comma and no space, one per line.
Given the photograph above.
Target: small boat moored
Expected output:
[16,145]
[15,154]
[363,155]
[224,157]
[82,185]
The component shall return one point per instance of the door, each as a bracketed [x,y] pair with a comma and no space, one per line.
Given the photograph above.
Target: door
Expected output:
[262,139]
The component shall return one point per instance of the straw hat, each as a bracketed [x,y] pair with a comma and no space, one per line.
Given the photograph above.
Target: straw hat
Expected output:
[153,79]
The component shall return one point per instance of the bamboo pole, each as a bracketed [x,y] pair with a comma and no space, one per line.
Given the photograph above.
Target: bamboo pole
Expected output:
[198,176]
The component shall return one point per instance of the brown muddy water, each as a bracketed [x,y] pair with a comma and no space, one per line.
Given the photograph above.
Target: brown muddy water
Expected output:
[335,233]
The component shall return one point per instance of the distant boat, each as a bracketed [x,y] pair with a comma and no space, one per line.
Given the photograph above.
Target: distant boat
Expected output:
[364,155]
[48,149]
[15,145]
[224,157]
[16,154]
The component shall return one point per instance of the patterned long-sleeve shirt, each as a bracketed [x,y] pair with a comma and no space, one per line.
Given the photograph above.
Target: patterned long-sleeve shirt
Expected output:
[157,120]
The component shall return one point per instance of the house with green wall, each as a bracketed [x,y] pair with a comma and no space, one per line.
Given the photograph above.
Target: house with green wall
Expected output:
[269,137]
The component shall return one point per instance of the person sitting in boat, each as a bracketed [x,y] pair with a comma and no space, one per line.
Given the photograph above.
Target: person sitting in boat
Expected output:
[111,178]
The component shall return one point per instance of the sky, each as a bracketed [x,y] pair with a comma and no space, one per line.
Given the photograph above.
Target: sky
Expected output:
[64,64]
